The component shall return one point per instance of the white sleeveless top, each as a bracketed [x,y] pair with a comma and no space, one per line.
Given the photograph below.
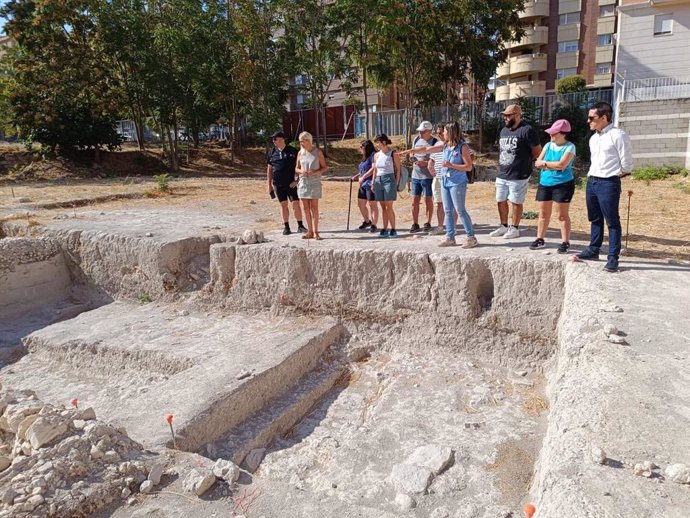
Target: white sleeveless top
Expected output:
[384,163]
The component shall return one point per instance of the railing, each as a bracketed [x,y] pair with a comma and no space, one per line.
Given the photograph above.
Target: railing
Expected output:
[657,88]
[540,109]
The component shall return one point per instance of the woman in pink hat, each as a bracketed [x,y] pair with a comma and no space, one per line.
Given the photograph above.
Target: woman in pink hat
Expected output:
[556,184]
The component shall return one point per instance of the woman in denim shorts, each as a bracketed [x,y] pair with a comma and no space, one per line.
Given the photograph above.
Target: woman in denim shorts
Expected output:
[385,184]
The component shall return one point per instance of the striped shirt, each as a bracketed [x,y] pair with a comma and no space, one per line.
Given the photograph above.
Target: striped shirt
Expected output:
[438,160]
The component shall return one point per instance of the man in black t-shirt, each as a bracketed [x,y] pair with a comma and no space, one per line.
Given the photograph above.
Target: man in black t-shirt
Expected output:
[282,183]
[519,147]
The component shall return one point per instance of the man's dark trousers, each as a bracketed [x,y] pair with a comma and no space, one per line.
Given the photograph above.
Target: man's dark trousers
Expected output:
[603,199]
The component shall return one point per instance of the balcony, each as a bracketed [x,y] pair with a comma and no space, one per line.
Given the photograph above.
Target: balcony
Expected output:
[602,80]
[567,59]
[569,32]
[520,65]
[535,9]
[521,89]
[604,54]
[532,38]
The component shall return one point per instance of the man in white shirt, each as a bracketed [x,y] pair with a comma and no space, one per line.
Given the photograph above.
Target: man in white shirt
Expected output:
[611,159]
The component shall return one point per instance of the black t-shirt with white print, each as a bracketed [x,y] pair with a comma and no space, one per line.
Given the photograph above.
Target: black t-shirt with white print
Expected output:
[515,158]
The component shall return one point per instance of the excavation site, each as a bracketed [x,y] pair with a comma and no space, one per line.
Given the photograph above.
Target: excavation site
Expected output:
[177,363]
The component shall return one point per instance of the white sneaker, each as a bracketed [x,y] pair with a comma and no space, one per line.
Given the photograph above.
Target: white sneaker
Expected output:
[499,231]
[511,233]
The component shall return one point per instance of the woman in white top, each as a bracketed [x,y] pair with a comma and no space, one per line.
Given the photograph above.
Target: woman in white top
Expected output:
[385,182]
[311,164]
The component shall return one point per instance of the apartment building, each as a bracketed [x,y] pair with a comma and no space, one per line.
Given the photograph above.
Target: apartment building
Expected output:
[562,38]
[654,39]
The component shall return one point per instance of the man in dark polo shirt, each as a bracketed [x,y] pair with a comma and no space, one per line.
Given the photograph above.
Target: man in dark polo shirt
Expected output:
[282,184]
[519,147]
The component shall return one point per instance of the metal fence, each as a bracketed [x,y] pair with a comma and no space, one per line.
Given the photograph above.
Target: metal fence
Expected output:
[653,89]
[394,122]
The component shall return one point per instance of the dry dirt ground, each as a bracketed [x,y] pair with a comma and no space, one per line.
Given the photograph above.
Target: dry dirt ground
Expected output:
[658,212]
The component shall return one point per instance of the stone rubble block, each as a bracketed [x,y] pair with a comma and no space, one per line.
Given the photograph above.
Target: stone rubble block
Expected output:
[226,470]
[678,473]
[155,473]
[411,479]
[405,502]
[45,430]
[435,458]
[198,481]
[598,455]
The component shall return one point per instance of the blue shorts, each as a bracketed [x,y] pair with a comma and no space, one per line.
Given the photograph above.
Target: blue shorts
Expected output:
[422,185]
[385,188]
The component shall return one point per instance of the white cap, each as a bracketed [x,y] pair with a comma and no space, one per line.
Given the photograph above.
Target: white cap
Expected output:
[425,125]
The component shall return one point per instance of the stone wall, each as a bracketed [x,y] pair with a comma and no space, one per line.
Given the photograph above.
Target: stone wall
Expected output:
[659,130]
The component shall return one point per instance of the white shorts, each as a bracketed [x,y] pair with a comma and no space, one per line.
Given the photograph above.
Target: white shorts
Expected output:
[436,190]
[513,190]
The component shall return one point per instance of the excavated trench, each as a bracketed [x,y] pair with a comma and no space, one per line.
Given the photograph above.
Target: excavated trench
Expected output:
[353,375]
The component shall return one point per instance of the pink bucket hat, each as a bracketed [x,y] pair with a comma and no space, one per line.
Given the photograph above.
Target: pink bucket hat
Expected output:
[560,126]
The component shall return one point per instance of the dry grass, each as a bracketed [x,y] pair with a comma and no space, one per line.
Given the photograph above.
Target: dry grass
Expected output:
[533,403]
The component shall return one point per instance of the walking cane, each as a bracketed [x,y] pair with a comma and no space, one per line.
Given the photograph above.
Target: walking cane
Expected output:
[349,206]
[627,224]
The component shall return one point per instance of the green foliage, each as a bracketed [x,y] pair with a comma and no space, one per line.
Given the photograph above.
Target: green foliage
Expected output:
[163,182]
[581,183]
[571,84]
[145,298]
[650,173]
[60,93]
[530,214]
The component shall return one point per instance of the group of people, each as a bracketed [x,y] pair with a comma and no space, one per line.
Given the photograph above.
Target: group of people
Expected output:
[440,170]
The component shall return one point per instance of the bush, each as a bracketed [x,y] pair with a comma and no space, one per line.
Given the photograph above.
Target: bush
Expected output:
[162,180]
[490,128]
[650,173]
[571,84]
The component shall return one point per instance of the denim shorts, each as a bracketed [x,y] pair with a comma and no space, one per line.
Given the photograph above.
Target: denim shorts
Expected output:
[421,185]
[385,188]
[513,190]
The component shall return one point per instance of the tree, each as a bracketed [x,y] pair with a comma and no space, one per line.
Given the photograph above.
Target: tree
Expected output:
[125,40]
[319,52]
[571,84]
[407,52]
[62,93]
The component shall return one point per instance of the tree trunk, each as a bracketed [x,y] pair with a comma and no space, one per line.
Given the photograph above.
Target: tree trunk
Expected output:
[325,135]
[363,62]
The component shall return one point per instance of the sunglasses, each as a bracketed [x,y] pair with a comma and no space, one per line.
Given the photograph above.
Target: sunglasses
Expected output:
[592,118]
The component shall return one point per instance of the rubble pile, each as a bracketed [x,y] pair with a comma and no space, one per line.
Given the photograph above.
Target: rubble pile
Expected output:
[62,461]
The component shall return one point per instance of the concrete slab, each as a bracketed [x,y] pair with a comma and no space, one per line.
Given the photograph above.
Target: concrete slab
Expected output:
[135,364]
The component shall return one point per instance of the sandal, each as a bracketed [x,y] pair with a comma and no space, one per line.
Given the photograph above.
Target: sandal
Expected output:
[317,237]
[308,235]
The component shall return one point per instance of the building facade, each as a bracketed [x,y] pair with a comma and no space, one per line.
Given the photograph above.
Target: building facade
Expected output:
[562,38]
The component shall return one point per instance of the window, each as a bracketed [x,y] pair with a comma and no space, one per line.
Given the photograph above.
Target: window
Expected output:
[663,24]
[300,100]
[569,18]
[603,68]
[565,72]
[567,46]
[607,10]
[299,79]
[604,39]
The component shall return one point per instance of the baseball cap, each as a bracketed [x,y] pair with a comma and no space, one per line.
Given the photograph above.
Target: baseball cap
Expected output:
[425,125]
[512,109]
[559,126]
[278,134]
